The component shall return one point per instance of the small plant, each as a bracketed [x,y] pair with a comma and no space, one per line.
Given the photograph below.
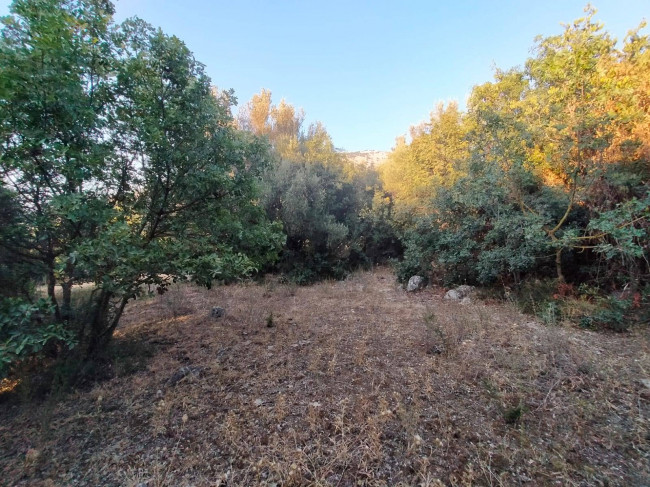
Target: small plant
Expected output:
[176,302]
[551,313]
[612,314]
[513,415]
[438,338]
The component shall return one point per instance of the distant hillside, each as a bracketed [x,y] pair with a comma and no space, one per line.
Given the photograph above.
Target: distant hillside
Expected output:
[367,157]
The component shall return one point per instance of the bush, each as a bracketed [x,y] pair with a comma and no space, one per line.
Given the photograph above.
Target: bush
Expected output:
[23,333]
[474,235]
[319,206]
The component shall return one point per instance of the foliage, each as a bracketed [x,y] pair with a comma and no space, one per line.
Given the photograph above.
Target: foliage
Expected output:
[477,236]
[17,274]
[25,332]
[378,232]
[549,172]
[433,160]
[316,207]
[323,202]
[124,162]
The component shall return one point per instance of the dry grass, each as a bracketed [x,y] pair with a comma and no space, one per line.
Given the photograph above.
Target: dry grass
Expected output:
[356,383]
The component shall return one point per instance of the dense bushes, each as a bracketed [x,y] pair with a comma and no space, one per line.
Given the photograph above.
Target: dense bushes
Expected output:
[546,176]
[331,211]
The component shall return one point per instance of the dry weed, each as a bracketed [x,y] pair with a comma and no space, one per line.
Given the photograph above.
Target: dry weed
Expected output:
[356,383]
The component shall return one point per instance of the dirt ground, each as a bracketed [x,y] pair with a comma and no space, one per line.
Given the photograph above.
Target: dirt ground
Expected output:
[351,383]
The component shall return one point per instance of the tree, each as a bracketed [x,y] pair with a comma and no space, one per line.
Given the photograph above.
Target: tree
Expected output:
[556,165]
[127,168]
[321,200]
[254,116]
[433,160]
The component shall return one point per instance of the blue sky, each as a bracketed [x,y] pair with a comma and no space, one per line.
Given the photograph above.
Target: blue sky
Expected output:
[366,69]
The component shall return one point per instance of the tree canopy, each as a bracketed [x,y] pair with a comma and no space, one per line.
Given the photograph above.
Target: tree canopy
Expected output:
[545,174]
[122,166]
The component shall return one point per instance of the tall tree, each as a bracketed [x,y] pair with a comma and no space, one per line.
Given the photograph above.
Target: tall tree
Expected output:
[255,115]
[127,167]
[432,160]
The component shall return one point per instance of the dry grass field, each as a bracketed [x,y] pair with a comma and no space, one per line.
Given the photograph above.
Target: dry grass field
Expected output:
[352,383]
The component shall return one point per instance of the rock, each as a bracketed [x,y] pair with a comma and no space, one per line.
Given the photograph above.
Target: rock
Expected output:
[434,350]
[184,372]
[32,455]
[217,312]
[415,283]
[258,402]
[459,293]
[466,300]
[453,294]
[465,290]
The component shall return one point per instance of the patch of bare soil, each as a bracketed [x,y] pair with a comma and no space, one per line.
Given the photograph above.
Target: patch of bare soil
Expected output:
[345,383]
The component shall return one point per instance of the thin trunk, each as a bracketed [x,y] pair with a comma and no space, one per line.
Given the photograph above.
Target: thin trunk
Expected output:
[97,323]
[558,265]
[66,307]
[51,292]
[108,333]
[103,325]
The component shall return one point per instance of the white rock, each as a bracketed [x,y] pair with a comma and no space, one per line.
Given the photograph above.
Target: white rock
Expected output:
[459,293]
[415,283]
[453,295]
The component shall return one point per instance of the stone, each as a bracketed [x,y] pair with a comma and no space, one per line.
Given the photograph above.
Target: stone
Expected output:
[453,295]
[415,283]
[32,455]
[217,312]
[460,293]
[184,372]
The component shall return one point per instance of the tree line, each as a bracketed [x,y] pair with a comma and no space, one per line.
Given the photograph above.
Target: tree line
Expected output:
[544,175]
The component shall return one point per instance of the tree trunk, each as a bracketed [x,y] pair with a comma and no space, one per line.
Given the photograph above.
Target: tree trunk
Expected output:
[103,324]
[97,323]
[558,265]
[66,307]
[51,292]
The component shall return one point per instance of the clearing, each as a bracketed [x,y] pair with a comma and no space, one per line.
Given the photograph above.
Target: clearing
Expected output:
[355,383]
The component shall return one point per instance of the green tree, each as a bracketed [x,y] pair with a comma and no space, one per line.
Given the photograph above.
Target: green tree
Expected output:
[126,166]
[321,200]
[556,165]
[433,160]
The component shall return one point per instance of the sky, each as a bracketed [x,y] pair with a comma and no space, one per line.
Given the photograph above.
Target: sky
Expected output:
[367,70]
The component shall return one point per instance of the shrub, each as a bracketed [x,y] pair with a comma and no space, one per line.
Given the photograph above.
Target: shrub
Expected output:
[25,332]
